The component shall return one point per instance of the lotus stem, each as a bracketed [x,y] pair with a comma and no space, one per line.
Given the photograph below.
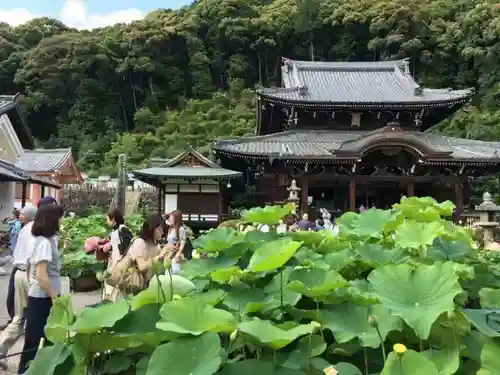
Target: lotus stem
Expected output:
[171,284]
[384,355]
[401,365]
[160,289]
[365,354]
[421,344]
[309,354]
[281,296]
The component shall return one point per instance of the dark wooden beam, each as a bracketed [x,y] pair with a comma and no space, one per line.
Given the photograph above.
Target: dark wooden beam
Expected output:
[352,195]
[24,193]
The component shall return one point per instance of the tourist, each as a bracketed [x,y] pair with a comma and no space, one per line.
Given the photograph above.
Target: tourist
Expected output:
[44,279]
[137,262]
[176,239]
[21,262]
[144,249]
[119,243]
[304,224]
[320,224]
[14,229]
[17,296]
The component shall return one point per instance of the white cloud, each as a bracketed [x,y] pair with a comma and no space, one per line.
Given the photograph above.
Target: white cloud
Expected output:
[74,14]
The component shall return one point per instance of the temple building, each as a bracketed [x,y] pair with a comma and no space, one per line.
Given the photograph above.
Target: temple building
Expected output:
[352,134]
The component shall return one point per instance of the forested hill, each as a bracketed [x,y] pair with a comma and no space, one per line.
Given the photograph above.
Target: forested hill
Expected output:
[186,76]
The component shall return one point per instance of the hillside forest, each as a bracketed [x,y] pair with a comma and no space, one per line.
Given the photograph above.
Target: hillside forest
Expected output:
[187,76]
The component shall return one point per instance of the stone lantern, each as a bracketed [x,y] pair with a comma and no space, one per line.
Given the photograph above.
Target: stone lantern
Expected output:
[487,217]
[293,195]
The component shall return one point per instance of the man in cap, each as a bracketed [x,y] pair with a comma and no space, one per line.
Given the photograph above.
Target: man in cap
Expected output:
[17,297]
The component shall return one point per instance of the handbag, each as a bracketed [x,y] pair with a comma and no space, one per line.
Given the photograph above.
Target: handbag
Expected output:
[125,275]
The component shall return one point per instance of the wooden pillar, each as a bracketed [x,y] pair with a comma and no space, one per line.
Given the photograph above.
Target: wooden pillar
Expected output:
[459,199]
[410,189]
[23,197]
[304,205]
[42,193]
[161,197]
[221,201]
[352,195]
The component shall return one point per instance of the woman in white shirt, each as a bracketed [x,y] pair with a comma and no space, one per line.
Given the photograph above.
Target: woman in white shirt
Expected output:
[121,238]
[44,272]
[176,239]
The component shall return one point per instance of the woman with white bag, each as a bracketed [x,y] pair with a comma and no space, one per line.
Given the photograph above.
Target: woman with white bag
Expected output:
[176,240]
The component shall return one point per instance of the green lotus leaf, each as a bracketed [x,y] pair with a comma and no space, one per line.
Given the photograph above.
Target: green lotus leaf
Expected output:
[211,297]
[187,356]
[311,239]
[489,298]
[447,360]
[345,223]
[217,240]
[117,364]
[490,357]
[93,319]
[50,359]
[415,235]
[340,259]
[308,347]
[418,295]
[257,366]
[160,292]
[193,316]
[371,223]
[203,267]
[306,254]
[348,321]
[361,292]
[60,318]
[246,300]
[486,321]
[422,207]
[315,282]
[375,255]
[224,275]
[409,362]
[140,326]
[344,368]
[272,255]
[269,215]
[271,335]
[449,250]
[474,343]
[448,330]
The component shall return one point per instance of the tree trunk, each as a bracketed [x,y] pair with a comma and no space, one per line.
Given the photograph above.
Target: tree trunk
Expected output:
[134,98]
[259,57]
[122,105]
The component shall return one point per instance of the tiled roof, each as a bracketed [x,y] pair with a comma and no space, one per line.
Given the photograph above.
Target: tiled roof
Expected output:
[10,172]
[364,83]
[184,172]
[42,160]
[332,144]
[7,102]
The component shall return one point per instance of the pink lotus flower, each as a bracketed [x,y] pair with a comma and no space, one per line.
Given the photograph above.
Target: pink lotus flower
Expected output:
[91,244]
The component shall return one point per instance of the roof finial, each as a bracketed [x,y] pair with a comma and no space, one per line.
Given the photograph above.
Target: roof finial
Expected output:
[406,66]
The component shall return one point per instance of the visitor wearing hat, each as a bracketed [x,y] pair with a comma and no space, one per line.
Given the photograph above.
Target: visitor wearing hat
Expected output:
[17,295]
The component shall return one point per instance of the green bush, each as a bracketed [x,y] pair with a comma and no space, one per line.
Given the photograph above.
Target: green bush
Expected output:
[397,292]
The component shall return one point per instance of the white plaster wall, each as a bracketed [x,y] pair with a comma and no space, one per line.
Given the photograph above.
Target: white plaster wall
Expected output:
[7,198]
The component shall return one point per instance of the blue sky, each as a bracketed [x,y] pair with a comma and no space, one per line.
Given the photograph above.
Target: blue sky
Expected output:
[82,13]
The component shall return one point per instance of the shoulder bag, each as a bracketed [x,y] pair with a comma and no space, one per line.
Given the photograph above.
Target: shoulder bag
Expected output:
[125,275]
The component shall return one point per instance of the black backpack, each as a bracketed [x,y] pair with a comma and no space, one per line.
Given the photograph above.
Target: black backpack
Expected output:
[187,251]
